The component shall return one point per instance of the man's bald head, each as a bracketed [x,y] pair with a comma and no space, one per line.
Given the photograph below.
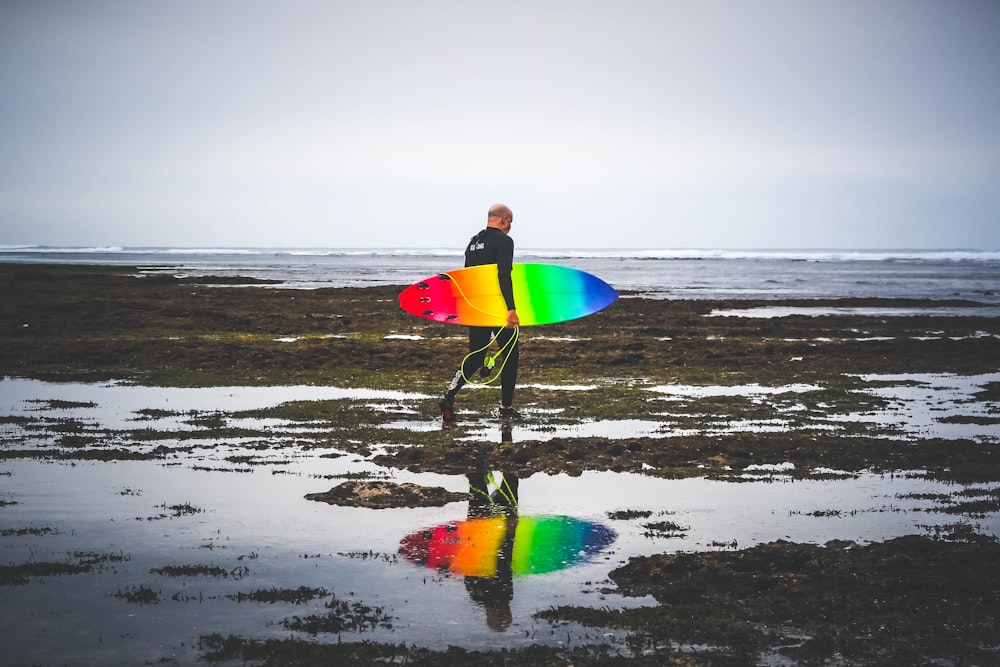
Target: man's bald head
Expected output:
[500,217]
[500,211]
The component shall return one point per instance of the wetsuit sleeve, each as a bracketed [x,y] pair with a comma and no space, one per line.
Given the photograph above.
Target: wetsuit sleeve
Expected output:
[505,262]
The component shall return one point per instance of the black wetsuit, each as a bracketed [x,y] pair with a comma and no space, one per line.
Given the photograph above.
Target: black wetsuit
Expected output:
[491,246]
[495,592]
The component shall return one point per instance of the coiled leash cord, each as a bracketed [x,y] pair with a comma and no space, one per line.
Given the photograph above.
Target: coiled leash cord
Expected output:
[490,361]
[502,487]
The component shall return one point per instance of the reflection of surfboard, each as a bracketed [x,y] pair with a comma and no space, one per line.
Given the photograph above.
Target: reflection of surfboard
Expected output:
[541,544]
[543,294]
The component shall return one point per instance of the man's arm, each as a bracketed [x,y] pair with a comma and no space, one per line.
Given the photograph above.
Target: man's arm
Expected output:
[505,262]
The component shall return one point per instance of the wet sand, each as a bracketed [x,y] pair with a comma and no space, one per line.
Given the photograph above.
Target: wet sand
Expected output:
[907,600]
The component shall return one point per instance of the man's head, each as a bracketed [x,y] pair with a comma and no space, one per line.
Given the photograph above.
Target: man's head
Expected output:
[501,217]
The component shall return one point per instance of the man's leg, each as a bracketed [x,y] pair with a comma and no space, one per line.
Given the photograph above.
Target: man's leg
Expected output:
[508,377]
[479,339]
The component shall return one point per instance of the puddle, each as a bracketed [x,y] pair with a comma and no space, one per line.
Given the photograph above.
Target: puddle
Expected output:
[679,391]
[935,406]
[258,529]
[180,548]
[917,405]
[115,405]
[768,312]
[606,428]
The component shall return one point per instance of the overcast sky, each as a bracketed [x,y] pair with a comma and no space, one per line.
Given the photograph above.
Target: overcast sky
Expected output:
[659,124]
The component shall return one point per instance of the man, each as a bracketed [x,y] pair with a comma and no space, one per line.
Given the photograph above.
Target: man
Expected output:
[492,245]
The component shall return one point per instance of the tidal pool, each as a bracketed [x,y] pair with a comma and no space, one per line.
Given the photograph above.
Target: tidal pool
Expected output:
[158,553]
[768,312]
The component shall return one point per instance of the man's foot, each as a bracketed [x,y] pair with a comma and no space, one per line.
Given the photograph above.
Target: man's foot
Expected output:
[509,414]
[447,410]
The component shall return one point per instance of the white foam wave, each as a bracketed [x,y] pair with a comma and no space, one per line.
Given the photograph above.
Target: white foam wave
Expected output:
[830,255]
[60,249]
[809,255]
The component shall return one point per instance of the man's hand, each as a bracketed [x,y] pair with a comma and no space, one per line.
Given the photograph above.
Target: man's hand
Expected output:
[512,319]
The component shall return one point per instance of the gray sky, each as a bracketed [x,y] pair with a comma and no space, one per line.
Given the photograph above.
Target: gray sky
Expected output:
[765,124]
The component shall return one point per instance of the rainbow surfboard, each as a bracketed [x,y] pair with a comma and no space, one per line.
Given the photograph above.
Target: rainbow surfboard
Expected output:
[543,293]
[541,544]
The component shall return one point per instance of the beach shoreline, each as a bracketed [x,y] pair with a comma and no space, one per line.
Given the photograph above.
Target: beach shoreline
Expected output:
[117,322]
[648,389]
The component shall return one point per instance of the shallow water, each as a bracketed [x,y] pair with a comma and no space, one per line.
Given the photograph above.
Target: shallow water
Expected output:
[768,312]
[258,526]
[253,522]
[687,274]
[916,406]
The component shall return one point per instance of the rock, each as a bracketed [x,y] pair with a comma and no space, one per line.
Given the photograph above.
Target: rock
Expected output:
[381,495]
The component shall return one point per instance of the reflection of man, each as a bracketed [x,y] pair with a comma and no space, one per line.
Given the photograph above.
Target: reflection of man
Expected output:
[494,494]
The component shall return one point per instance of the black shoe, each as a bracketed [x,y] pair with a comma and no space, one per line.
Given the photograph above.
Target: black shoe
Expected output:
[509,414]
[447,410]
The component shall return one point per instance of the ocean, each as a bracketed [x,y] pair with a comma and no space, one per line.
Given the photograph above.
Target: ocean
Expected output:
[659,273]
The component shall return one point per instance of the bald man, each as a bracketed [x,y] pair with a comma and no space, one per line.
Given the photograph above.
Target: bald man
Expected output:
[492,245]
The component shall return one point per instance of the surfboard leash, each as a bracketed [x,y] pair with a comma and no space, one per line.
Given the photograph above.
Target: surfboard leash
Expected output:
[490,361]
[502,487]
